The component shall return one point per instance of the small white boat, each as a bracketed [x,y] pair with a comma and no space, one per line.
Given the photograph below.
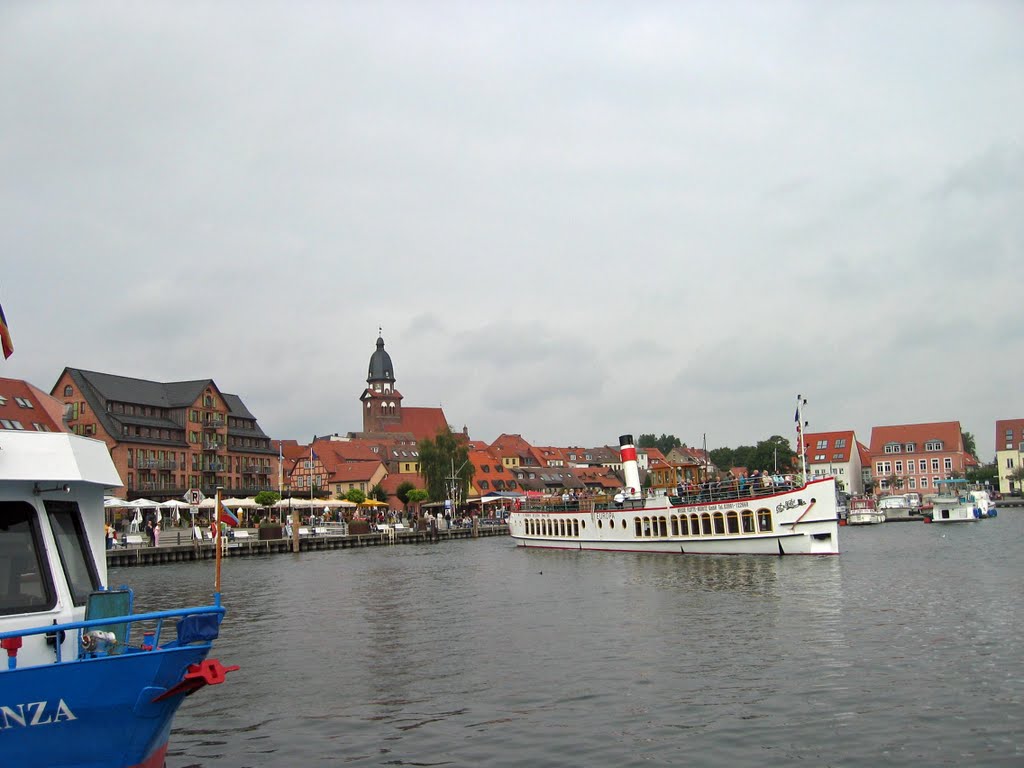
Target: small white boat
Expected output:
[955,503]
[864,512]
[899,507]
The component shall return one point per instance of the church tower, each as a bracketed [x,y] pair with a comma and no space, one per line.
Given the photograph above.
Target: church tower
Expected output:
[382,403]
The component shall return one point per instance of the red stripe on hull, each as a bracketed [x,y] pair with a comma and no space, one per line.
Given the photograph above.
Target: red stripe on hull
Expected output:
[155,760]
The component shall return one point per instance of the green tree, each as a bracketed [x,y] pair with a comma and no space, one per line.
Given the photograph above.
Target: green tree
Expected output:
[418,496]
[402,492]
[986,473]
[1017,475]
[444,461]
[723,458]
[267,499]
[378,493]
[665,443]
[969,444]
[355,495]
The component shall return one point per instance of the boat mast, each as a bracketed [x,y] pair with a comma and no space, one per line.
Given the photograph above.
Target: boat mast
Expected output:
[801,444]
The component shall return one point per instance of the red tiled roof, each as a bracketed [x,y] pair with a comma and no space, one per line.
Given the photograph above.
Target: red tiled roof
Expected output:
[831,452]
[422,423]
[46,411]
[946,431]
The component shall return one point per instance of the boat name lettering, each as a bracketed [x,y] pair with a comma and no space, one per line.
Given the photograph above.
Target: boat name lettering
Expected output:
[715,507]
[34,713]
[789,504]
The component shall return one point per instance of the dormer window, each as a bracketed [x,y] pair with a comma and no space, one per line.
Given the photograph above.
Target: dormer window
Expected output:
[910,447]
[933,445]
[893,448]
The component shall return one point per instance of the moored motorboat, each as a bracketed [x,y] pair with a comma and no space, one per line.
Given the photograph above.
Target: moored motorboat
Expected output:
[957,503]
[864,511]
[88,682]
[723,519]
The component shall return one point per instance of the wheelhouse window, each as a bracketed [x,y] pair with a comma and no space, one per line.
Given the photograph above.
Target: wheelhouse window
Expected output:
[73,548]
[25,584]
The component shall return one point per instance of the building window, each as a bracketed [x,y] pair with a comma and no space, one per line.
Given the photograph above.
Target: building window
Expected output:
[947,464]
[23,402]
[935,465]
[822,445]
[899,467]
[912,483]
[819,457]
[923,465]
[841,442]
[924,482]
[910,447]
[892,448]
[933,445]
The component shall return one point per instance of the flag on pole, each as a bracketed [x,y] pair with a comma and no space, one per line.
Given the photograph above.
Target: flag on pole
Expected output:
[5,336]
[227,516]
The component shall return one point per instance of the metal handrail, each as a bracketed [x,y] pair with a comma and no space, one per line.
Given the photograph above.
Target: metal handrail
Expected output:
[157,616]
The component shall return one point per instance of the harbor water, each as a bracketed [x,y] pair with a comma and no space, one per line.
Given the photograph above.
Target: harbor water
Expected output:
[905,651]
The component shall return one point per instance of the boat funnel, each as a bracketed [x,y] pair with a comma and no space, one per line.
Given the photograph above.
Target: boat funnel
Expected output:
[630,472]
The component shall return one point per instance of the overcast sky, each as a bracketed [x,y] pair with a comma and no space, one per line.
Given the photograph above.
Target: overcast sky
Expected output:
[571,220]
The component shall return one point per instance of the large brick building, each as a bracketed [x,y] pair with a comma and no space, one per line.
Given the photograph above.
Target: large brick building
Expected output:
[166,438]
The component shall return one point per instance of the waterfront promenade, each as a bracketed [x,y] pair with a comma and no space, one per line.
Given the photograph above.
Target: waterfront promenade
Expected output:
[176,545]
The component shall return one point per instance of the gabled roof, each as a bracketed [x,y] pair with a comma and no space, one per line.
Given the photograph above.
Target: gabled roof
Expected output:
[46,411]
[351,471]
[948,432]
[346,450]
[865,454]
[831,452]
[510,445]
[422,423]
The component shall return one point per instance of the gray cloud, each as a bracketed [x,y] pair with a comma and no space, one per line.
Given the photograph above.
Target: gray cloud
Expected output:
[572,221]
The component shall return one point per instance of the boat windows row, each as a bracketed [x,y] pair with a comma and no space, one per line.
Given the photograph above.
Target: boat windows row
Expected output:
[656,526]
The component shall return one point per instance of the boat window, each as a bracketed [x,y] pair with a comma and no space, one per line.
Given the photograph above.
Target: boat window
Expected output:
[719,523]
[73,547]
[25,583]
[748,521]
[639,529]
[705,524]
[662,527]
[764,520]
[675,525]
[694,525]
[732,521]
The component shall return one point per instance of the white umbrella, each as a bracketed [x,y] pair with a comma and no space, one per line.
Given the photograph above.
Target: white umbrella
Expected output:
[173,504]
[144,504]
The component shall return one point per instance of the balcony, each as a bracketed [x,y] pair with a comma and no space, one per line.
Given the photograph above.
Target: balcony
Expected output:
[214,466]
[255,469]
[212,445]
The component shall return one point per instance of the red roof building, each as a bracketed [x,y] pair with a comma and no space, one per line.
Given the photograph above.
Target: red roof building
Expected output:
[912,457]
[1009,453]
[835,454]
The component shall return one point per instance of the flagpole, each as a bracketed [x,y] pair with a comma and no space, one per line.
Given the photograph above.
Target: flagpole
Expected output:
[216,543]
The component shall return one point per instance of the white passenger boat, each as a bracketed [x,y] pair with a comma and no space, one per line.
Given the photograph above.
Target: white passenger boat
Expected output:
[863,511]
[719,520]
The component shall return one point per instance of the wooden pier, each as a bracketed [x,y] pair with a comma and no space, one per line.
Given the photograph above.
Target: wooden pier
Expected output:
[204,550]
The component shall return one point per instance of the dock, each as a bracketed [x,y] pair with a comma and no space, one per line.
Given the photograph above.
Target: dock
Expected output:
[177,551]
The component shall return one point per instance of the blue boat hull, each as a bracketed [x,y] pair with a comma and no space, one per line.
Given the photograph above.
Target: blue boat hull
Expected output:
[95,711]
